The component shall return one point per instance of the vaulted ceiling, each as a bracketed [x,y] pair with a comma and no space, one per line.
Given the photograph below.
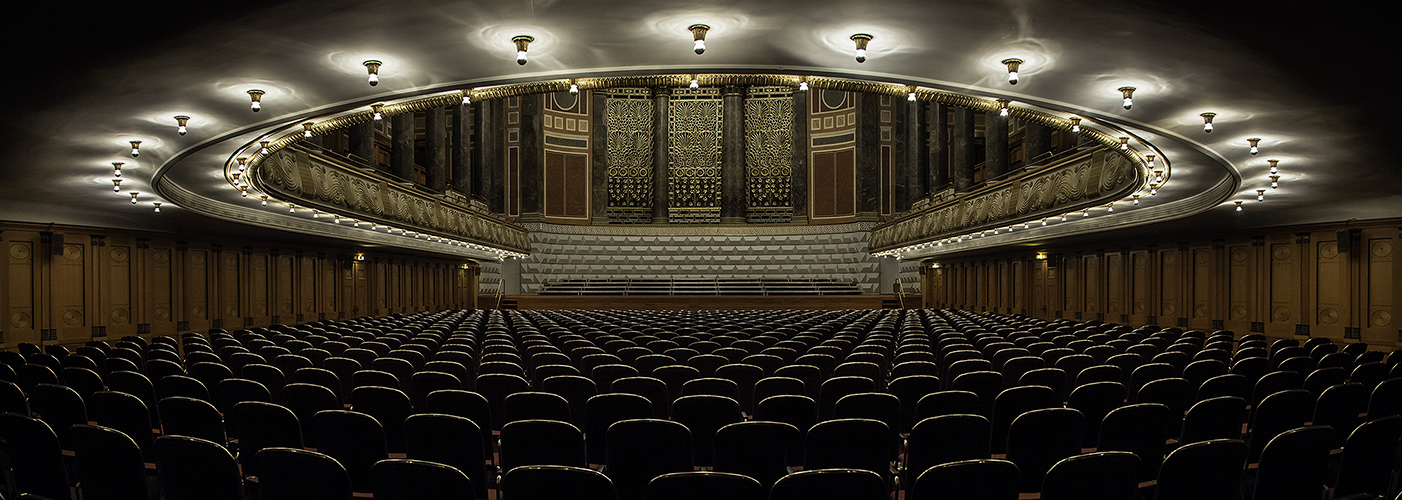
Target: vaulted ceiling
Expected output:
[88,82]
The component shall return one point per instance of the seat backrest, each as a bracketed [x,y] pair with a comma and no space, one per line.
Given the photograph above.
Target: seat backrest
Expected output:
[704,485]
[110,464]
[1103,474]
[35,456]
[638,450]
[296,474]
[546,482]
[405,479]
[195,469]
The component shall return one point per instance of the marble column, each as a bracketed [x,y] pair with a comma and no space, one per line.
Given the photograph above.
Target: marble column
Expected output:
[917,184]
[733,202]
[961,143]
[461,144]
[362,142]
[868,155]
[532,155]
[435,160]
[938,150]
[1036,143]
[799,190]
[660,162]
[488,180]
[599,183]
[995,146]
[401,154]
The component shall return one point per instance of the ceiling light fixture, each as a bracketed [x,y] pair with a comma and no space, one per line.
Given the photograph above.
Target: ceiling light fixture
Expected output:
[181,124]
[1012,64]
[694,83]
[291,208]
[135,148]
[861,40]
[243,165]
[374,67]
[257,96]
[1275,181]
[467,96]
[1086,213]
[1153,189]
[1238,205]
[574,88]
[803,84]
[1002,107]
[243,191]
[263,148]
[1255,144]
[375,111]
[698,34]
[1149,160]
[263,200]
[117,168]
[1136,200]
[1158,176]
[522,42]
[1275,167]
[1075,124]
[307,129]
[116,185]
[1260,195]
[1124,143]
[910,96]
[1128,93]
[133,197]
[158,206]
[1207,121]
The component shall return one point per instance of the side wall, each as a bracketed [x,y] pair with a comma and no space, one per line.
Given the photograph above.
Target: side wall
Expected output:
[1303,282]
[97,284]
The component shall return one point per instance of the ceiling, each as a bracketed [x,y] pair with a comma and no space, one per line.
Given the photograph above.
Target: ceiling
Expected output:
[83,87]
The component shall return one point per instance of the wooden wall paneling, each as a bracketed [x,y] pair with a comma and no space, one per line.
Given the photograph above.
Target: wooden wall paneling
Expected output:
[1202,276]
[1283,286]
[259,287]
[70,293]
[1170,278]
[1018,288]
[346,286]
[1040,289]
[285,285]
[1073,296]
[1055,294]
[326,287]
[362,288]
[159,286]
[119,307]
[1241,296]
[1140,288]
[1307,261]
[1116,302]
[306,287]
[22,294]
[1380,292]
[379,284]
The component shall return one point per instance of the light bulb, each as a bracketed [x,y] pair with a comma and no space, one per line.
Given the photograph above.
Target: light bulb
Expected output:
[263,148]
[1255,144]
[522,43]
[1238,206]
[1086,213]
[1153,190]
[264,200]
[1128,93]
[1260,195]
[243,191]
[1110,209]
[574,89]
[861,39]
[1044,222]
[1012,64]
[117,168]
[1275,167]
[316,214]
[133,197]
[803,85]
[180,124]
[158,206]
[1158,176]
[1275,181]
[257,97]
[135,148]
[695,84]
[116,185]
[699,47]
[373,67]
[521,57]
[1136,199]
[1124,143]
[1003,108]
[467,97]
[1075,124]
[375,110]
[307,129]
[910,97]
[291,209]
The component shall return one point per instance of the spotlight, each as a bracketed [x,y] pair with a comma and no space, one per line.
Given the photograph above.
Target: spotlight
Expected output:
[181,123]
[374,67]
[257,96]
[1128,93]
[698,35]
[1255,144]
[1207,122]
[861,40]
[522,42]
[1012,64]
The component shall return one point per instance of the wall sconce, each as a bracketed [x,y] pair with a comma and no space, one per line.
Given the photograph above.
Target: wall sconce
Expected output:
[1075,124]
[698,34]
[861,40]
[1275,181]
[257,96]
[133,197]
[263,148]
[243,165]
[1012,64]
[1002,107]
[1207,122]
[1128,93]
[803,84]
[1275,167]
[375,110]
[1040,256]
[360,257]
[181,124]
[307,129]
[116,185]
[158,206]
[522,43]
[135,148]
[374,67]
[1124,143]
[1260,195]
[1238,205]
[117,168]
[1255,145]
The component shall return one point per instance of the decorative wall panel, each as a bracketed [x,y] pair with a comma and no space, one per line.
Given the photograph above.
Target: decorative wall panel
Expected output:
[630,154]
[769,154]
[832,150]
[694,153]
[568,162]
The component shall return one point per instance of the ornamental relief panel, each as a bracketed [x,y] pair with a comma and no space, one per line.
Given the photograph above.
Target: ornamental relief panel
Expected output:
[769,148]
[1078,182]
[296,175]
